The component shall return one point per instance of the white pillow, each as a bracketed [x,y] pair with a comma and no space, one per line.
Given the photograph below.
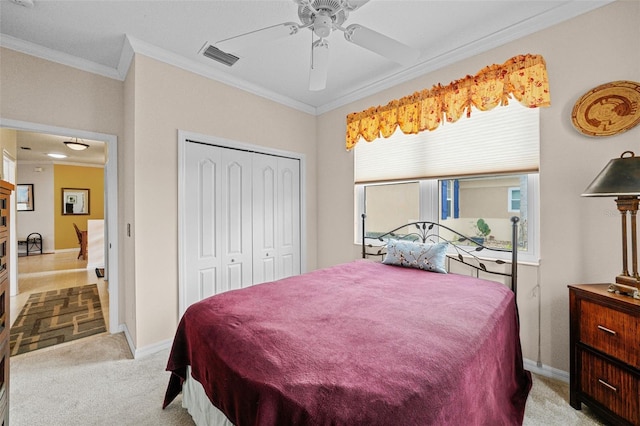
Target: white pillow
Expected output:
[425,256]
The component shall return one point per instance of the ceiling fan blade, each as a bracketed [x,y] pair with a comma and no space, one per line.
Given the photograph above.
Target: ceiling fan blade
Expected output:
[257,37]
[319,65]
[381,44]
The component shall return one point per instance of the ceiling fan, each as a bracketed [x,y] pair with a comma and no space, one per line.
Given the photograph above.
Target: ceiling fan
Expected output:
[322,17]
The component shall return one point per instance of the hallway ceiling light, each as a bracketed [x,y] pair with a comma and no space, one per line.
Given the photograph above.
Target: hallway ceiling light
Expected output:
[75,145]
[53,155]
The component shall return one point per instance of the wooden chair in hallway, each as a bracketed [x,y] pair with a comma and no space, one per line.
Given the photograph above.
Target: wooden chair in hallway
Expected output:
[82,240]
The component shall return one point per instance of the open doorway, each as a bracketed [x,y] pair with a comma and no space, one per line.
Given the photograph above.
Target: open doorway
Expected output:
[60,231]
[110,244]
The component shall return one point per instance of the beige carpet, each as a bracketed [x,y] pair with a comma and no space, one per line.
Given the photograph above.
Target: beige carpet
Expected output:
[94,381]
[548,404]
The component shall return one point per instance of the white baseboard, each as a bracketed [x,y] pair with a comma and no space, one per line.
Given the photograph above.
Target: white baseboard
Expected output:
[546,371]
[147,350]
[152,349]
[125,330]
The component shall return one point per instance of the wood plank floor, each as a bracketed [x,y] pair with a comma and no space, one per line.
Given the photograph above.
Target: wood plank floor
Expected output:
[42,272]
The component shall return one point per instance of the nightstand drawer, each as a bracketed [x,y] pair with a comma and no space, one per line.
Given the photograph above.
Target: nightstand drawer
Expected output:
[610,331]
[611,386]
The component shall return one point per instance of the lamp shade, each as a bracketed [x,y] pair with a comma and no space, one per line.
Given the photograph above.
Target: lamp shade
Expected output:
[621,177]
[75,145]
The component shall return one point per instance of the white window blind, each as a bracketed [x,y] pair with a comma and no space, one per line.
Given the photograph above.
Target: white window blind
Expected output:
[505,139]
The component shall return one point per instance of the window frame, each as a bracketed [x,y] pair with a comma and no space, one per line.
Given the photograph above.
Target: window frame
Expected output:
[430,210]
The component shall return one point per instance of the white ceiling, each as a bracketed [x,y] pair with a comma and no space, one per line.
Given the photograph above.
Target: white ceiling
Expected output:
[34,147]
[91,35]
[100,35]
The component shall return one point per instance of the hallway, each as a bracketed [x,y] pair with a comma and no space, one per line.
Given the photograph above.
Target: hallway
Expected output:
[39,273]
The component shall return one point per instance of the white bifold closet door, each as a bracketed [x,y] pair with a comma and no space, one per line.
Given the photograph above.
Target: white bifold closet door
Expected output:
[276,218]
[242,220]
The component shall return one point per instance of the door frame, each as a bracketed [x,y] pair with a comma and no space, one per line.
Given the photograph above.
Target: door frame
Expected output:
[183,137]
[111,201]
[10,176]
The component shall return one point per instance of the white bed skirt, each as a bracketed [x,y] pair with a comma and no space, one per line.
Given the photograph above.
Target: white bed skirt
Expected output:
[203,412]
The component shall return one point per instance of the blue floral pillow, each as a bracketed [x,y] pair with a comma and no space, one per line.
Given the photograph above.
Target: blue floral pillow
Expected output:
[427,256]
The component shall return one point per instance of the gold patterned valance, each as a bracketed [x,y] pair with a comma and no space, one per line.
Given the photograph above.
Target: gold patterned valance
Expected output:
[524,77]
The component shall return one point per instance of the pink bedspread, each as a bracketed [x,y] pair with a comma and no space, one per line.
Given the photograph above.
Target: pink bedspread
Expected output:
[357,344]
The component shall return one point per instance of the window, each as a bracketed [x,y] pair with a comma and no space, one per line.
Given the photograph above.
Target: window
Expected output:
[391,205]
[476,198]
[503,140]
[450,203]
[457,175]
[514,200]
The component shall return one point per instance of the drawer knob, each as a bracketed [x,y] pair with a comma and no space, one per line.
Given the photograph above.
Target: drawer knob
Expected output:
[607,330]
[603,383]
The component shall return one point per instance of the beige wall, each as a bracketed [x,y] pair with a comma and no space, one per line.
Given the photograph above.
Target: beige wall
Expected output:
[168,99]
[580,240]
[126,160]
[579,236]
[38,91]
[145,112]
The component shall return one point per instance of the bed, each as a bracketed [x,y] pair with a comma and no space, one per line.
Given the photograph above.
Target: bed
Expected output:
[361,343]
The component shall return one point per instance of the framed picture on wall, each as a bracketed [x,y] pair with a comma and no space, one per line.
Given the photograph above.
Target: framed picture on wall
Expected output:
[75,201]
[24,197]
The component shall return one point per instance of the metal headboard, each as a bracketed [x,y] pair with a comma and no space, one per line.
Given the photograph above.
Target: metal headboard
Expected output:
[425,231]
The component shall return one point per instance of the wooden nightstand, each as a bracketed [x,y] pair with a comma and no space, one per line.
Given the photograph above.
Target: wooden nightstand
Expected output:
[605,353]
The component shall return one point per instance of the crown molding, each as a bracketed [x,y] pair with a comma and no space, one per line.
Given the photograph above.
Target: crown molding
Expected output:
[438,60]
[162,55]
[126,58]
[42,52]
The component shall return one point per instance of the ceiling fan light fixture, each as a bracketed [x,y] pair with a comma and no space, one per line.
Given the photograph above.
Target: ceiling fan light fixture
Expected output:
[75,145]
[323,24]
[322,17]
[381,44]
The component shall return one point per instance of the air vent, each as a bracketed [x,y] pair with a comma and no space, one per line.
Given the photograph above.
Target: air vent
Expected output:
[26,148]
[216,54]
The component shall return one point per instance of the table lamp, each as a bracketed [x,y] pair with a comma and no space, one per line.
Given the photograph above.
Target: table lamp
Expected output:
[621,178]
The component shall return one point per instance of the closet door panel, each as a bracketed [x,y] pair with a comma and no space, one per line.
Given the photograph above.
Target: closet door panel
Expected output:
[288,218]
[202,224]
[243,222]
[264,217]
[288,266]
[236,218]
[206,214]
[208,283]
[235,276]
